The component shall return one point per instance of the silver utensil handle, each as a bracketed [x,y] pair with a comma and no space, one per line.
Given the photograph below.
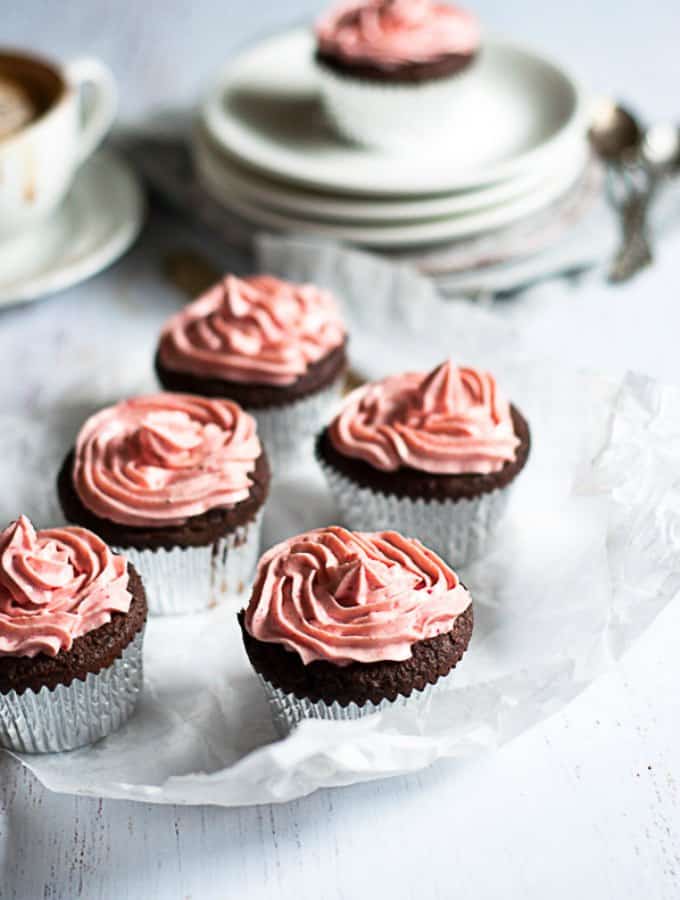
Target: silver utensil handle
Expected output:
[635,252]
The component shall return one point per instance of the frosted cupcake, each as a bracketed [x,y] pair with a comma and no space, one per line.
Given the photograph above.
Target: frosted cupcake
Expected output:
[177,483]
[72,617]
[276,348]
[341,625]
[433,455]
[394,71]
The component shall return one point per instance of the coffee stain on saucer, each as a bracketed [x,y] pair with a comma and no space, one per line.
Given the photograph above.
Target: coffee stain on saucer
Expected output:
[29,176]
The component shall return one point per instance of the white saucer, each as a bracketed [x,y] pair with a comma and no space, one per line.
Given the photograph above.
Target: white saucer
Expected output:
[265,111]
[97,222]
[397,235]
[255,187]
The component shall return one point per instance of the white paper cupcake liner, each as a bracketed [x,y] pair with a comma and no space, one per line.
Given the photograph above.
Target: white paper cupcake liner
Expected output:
[287,710]
[388,114]
[190,579]
[77,714]
[457,530]
[288,432]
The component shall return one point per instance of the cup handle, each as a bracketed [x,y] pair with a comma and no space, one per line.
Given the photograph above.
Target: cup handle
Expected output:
[99,112]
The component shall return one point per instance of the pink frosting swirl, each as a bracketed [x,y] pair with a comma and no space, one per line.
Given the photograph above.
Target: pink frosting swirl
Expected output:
[451,421]
[159,460]
[346,597]
[392,33]
[260,330]
[55,586]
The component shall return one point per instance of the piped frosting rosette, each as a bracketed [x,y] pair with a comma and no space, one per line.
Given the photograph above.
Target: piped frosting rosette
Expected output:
[393,33]
[450,421]
[395,71]
[161,459]
[55,586]
[259,330]
[373,610]
[451,433]
[348,597]
[160,462]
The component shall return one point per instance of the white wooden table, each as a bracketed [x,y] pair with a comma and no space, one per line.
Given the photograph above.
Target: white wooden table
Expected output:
[587,804]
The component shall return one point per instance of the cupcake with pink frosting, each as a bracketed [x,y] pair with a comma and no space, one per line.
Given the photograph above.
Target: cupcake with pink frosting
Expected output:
[394,71]
[72,616]
[274,347]
[432,454]
[177,483]
[343,624]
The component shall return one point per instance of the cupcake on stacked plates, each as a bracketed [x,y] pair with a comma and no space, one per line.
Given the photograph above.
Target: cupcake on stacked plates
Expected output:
[391,71]
[500,131]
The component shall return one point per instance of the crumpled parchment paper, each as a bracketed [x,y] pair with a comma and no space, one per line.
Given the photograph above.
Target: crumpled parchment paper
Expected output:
[585,559]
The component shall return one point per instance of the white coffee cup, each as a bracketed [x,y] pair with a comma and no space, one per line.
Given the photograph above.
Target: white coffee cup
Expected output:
[75,105]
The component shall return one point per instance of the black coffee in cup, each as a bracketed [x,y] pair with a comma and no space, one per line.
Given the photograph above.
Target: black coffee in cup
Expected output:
[28,88]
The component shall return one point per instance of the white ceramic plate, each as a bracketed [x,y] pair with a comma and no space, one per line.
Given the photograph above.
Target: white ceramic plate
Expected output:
[97,222]
[265,110]
[258,188]
[388,236]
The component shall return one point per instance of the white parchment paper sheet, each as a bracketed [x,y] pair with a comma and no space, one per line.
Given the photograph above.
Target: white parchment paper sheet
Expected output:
[586,557]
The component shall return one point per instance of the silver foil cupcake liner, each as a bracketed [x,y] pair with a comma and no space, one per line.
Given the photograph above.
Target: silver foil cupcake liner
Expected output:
[389,115]
[287,710]
[288,432]
[74,715]
[457,530]
[190,579]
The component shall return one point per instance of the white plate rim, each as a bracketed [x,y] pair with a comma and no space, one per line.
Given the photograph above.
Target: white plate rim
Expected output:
[397,236]
[220,128]
[62,276]
[265,191]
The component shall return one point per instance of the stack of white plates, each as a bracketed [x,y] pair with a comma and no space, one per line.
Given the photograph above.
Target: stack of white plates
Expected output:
[265,150]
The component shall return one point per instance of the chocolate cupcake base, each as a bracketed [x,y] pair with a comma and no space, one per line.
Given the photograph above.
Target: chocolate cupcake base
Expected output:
[388,113]
[198,531]
[322,690]
[76,715]
[287,710]
[53,704]
[408,73]
[251,396]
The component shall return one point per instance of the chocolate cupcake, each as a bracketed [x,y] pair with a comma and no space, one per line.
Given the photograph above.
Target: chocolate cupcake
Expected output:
[72,616]
[342,624]
[394,71]
[276,348]
[431,454]
[177,483]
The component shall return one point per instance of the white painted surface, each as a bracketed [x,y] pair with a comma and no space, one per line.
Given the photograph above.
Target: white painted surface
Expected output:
[587,805]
